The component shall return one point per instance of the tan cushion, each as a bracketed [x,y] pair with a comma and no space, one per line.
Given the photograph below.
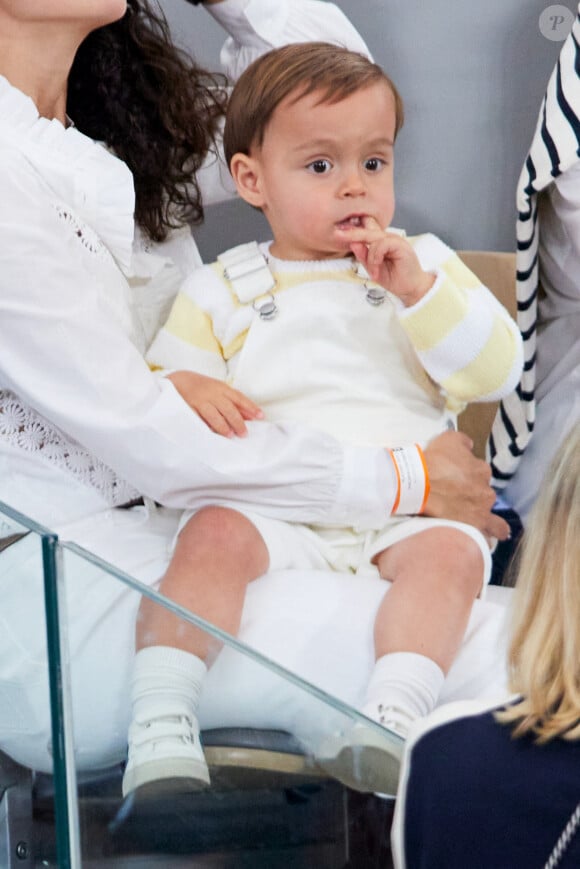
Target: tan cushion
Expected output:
[498,272]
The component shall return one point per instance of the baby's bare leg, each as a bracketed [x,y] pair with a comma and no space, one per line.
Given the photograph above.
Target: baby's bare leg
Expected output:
[436,576]
[218,552]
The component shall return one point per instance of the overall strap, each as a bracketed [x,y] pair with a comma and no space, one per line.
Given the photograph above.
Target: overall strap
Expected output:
[247,269]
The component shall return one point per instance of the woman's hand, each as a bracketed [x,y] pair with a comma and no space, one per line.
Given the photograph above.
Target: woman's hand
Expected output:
[460,485]
[222,408]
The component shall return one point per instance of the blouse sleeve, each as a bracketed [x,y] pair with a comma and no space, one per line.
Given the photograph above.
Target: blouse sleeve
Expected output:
[69,359]
[255,26]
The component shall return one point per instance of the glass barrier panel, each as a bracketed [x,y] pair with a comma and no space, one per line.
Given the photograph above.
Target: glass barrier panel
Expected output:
[30,676]
[279,750]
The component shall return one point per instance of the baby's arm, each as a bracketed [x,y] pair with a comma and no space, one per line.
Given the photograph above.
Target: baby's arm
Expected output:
[465,339]
[222,408]
[390,260]
[188,353]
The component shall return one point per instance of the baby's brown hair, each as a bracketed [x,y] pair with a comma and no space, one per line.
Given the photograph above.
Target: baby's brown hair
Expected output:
[301,68]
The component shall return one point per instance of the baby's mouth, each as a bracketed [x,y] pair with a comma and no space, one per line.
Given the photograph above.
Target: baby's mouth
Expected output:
[356,220]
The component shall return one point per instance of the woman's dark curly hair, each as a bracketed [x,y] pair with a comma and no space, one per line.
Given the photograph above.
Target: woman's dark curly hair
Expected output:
[131,88]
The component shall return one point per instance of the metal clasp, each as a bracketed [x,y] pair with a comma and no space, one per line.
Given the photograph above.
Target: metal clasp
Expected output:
[375,295]
[266,307]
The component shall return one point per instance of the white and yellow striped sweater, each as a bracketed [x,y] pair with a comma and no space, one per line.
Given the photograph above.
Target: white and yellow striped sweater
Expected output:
[367,374]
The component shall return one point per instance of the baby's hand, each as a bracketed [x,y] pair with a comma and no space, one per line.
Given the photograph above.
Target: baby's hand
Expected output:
[390,261]
[222,408]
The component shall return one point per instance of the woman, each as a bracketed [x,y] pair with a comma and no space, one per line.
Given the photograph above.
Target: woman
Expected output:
[535,418]
[85,426]
[498,787]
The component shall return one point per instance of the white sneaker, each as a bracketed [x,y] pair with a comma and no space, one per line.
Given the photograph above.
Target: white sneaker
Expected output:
[364,759]
[390,717]
[165,756]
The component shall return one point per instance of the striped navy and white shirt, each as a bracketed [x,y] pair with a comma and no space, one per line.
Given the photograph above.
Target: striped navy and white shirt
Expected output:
[554,150]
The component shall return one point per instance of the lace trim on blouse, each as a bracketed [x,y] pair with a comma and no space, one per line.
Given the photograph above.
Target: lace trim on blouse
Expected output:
[87,237]
[23,428]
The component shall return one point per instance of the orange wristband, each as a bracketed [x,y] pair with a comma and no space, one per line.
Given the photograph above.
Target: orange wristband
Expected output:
[412,480]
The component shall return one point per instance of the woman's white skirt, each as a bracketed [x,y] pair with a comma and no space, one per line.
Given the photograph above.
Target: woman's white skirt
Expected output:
[317,624]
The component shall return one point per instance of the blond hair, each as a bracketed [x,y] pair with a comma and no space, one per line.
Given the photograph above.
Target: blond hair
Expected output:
[300,69]
[544,654]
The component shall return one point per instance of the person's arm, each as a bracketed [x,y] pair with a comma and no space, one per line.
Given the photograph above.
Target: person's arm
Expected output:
[466,340]
[188,337]
[256,26]
[459,485]
[187,350]
[66,353]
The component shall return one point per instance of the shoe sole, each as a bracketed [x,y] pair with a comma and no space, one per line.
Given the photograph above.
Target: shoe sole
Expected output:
[365,768]
[162,777]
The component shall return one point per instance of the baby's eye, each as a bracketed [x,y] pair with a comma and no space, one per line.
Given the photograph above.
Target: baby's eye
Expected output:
[373,164]
[319,167]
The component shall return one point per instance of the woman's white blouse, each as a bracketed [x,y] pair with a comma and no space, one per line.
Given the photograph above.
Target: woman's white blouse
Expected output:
[83,422]
[254,26]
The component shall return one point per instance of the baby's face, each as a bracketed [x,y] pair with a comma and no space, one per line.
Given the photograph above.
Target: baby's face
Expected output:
[323,167]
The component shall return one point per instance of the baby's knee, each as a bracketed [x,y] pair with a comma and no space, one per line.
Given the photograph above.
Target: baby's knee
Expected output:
[444,557]
[221,533]
[217,527]
[465,561]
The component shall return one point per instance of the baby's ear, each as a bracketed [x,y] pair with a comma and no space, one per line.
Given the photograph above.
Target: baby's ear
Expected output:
[246,174]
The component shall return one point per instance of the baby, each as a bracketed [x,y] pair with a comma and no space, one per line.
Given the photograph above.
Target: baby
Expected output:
[350,328]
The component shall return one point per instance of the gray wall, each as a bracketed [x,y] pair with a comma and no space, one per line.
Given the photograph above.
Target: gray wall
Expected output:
[472,76]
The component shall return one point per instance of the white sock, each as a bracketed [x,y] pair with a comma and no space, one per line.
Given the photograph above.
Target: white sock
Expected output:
[166,681]
[405,681]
